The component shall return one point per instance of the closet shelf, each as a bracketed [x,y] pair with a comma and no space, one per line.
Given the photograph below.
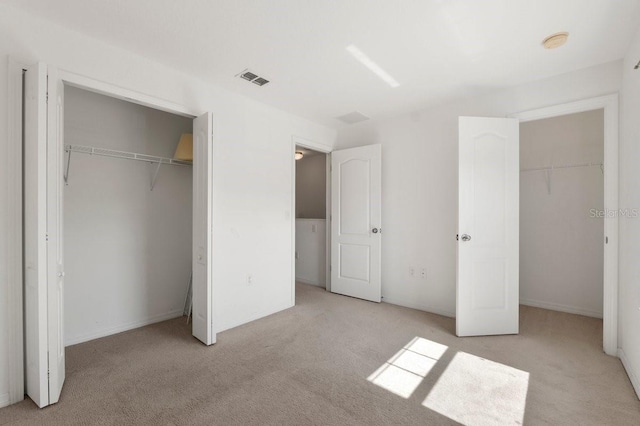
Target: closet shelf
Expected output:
[568,166]
[91,150]
[549,170]
[126,155]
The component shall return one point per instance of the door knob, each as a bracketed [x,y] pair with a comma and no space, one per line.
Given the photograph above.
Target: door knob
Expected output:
[374,230]
[465,237]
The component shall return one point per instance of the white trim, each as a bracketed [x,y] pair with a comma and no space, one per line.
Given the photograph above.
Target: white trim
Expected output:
[611,166]
[412,305]
[633,377]
[5,400]
[561,308]
[325,149]
[124,327]
[14,234]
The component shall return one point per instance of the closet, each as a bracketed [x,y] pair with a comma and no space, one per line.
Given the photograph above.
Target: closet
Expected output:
[311,218]
[127,216]
[561,213]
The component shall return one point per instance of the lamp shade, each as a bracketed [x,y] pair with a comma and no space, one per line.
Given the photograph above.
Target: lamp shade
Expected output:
[184,151]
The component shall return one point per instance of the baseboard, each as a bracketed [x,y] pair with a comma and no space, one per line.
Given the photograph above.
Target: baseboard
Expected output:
[124,327]
[316,283]
[418,306]
[4,399]
[562,308]
[635,378]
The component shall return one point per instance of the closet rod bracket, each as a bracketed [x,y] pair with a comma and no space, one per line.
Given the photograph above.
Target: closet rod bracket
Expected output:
[66,171]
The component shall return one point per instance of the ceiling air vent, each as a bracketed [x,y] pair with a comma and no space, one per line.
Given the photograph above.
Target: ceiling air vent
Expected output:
[252,77]
[353,117]
[249,76]
[260,81]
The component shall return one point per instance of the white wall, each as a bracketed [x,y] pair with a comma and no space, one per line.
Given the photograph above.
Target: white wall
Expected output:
[311,257]
[561,240]
[311,175]
[420,180]
[630,227]
[127,248]
[252,167]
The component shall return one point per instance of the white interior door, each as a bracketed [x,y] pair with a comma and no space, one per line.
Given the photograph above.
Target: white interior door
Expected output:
[202,229]
[487,285]
[44,276]
[356,218]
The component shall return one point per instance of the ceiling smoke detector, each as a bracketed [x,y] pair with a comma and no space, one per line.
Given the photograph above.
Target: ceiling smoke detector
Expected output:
[555,40]
[252,77]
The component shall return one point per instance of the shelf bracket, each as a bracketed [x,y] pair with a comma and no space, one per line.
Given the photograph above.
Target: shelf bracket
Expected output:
[155,175]
[66,172]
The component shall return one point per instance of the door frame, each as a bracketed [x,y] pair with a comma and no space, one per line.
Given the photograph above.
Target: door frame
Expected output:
[16,67]
[315,146]
[609,103]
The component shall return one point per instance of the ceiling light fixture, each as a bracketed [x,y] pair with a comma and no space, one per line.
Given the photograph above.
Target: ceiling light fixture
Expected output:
[555,40]
[299,155]
[372,66]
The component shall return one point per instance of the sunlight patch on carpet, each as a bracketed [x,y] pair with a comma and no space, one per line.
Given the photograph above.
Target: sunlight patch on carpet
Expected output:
[404,371]
[474,390]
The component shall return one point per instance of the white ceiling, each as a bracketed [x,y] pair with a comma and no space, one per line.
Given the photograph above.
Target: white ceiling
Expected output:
[437,50]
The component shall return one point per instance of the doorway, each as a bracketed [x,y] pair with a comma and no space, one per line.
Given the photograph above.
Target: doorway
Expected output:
[40,108]
[609,106]
[488,150]
[310,217]
[562,213]
[127,223]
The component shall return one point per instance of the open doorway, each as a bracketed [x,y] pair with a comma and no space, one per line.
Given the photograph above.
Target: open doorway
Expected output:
[311,221]
[562,213]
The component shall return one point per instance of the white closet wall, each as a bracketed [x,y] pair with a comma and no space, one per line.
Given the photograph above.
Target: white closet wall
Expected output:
[127,248]
[311,180]
[561,239]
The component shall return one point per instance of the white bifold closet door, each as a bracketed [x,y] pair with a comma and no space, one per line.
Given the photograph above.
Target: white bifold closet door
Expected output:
[44,273]
[487,293]
[202,285]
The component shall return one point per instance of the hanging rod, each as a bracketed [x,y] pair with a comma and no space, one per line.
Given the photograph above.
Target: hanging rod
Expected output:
[152,159]
[568,166]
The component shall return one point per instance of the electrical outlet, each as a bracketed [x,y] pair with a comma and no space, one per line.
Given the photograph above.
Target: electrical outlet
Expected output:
[412,271]
[249,279]
[423,273]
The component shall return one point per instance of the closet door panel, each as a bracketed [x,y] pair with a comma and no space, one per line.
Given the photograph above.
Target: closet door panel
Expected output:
[202,228]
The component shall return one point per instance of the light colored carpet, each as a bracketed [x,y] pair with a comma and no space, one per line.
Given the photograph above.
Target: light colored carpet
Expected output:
[341,361]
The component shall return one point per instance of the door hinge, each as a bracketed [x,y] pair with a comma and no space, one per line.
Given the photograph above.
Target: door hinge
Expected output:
[606,240]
